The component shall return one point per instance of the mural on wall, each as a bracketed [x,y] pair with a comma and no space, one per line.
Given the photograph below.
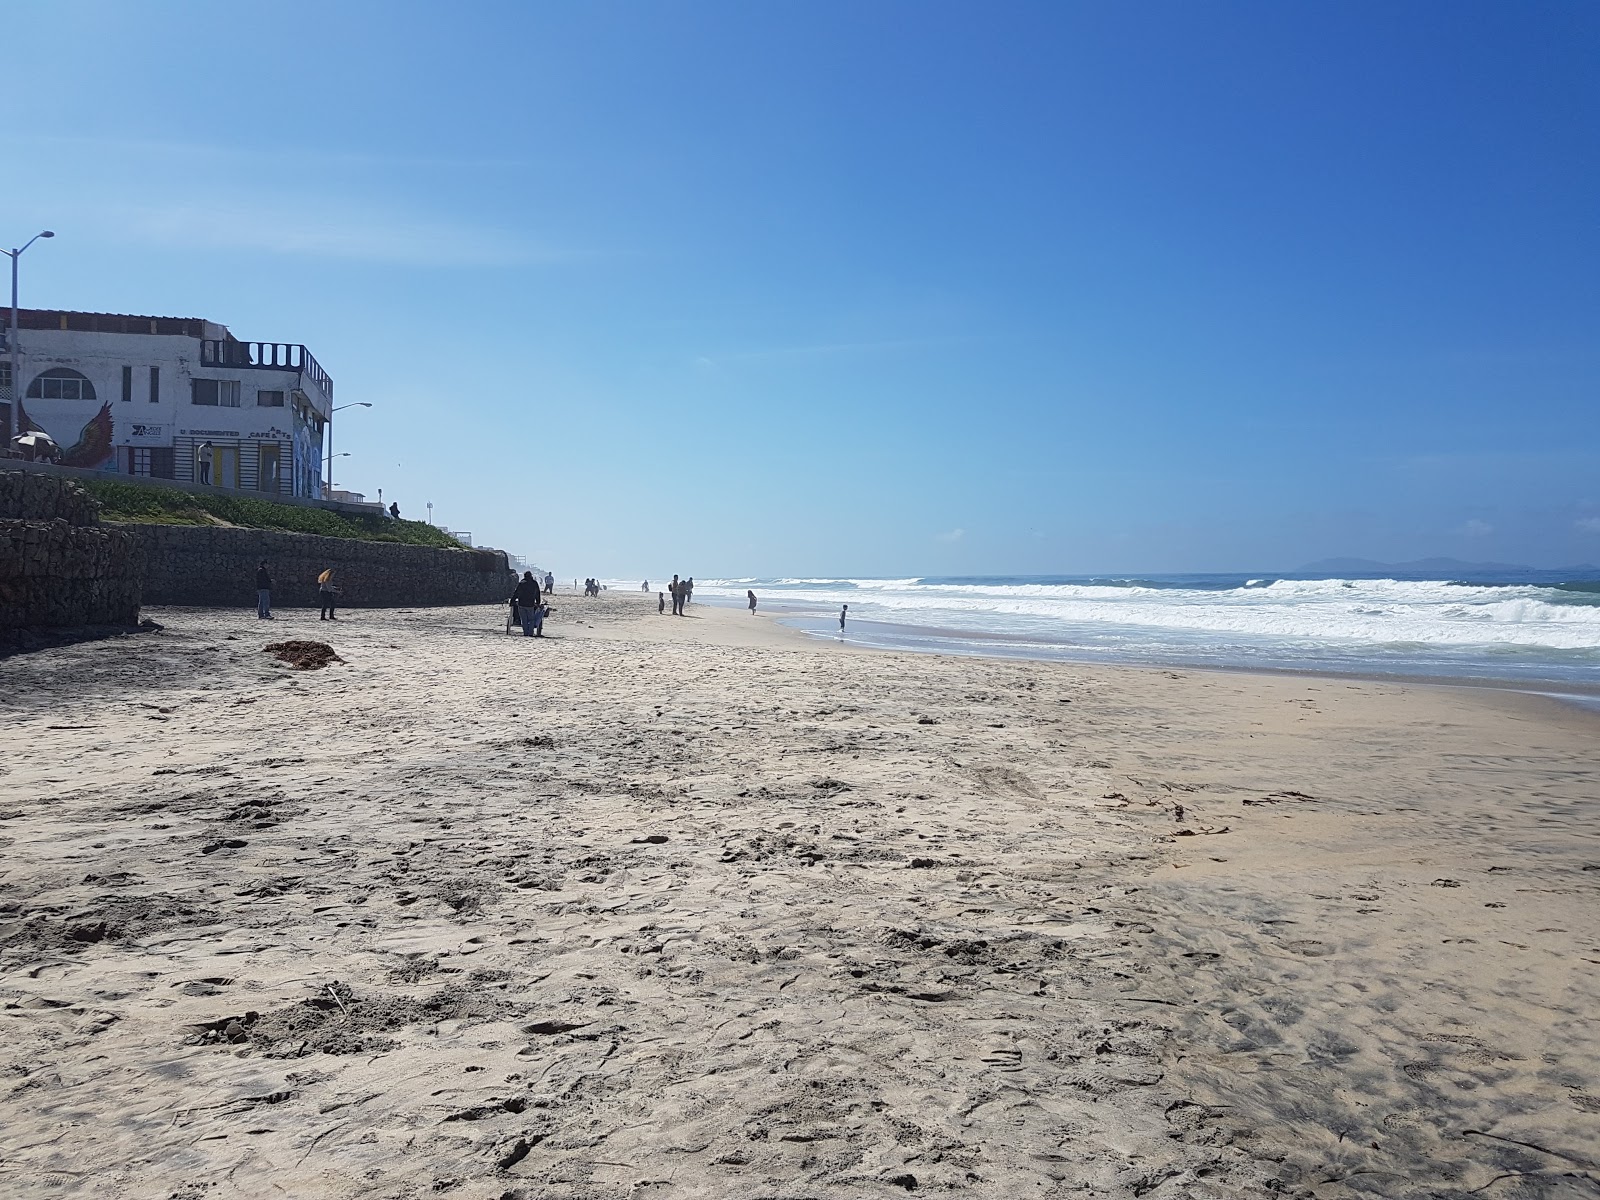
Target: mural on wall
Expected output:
[93,446]
[306,455]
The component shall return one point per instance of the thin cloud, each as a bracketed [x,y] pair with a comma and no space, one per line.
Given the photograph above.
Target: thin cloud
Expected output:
[1477,528]
[1588,524]
[298,155]
[821,349]
[954,535]
[369,236]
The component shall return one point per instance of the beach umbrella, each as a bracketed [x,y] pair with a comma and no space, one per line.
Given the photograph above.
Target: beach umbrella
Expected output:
[325,576]
[36,446]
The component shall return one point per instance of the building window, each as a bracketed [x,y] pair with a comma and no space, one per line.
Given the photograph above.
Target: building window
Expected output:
[60,383]
[266,399]
[155,385]
[127,384]
[223,393]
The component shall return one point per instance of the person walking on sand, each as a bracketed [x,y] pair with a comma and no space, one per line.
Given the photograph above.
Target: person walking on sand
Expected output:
[751,596]
[263,593]
[327,595]
[661,604]
[688,590]
[842,611]
[527,598]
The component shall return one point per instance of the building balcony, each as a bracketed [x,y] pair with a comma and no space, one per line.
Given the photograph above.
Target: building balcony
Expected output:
[267,356]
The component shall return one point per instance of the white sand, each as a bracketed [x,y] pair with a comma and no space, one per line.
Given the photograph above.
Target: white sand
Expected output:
[698,908]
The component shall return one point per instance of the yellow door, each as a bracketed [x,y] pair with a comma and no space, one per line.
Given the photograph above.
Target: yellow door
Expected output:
[225,466]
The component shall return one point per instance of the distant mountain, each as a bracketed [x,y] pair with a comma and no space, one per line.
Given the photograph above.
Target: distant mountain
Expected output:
[1422,566]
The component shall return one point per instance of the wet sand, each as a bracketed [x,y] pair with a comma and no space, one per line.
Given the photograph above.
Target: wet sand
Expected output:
[700,907]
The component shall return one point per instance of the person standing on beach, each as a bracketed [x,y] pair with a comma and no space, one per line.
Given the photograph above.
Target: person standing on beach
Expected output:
[527,600]
[688,589]
[675,590]
[263,594]
[842,612]
[549,584]
[751,596]
[327,594]
[661,604]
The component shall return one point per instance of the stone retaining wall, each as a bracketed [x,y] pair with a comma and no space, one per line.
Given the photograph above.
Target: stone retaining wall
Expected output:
[57,566]
[28,496]
[216,567]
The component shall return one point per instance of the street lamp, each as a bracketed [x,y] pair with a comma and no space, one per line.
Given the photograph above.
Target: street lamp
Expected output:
[15,255]
[331,457]
[331,411]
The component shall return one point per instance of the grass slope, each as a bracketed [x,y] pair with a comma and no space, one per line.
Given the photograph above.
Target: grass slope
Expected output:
[168,506]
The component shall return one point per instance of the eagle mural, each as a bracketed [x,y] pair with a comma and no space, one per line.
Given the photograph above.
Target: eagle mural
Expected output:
[93,449]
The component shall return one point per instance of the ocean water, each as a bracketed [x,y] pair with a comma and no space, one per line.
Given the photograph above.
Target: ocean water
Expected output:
[1525,626]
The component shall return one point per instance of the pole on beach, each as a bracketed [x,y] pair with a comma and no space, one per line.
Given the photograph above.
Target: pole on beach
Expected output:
[16,254]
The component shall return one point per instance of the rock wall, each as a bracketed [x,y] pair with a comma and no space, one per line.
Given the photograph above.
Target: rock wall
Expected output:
[60,567]
[57,566]
[30,496]
[216,567]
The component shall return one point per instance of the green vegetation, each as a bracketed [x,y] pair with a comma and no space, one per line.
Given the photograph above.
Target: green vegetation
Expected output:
[169,506]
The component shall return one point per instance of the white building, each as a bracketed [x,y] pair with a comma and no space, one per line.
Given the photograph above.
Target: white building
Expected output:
[170,397]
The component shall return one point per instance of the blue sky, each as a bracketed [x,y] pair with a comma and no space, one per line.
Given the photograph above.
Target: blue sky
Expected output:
[882,288]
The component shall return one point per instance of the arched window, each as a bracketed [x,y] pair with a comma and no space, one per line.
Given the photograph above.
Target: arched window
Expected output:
[60,383]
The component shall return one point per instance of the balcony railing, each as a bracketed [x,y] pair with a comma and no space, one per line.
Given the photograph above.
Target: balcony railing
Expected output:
[266,356]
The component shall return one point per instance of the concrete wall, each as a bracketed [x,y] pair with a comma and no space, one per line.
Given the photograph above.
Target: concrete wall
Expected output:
[57,567]
[205,566]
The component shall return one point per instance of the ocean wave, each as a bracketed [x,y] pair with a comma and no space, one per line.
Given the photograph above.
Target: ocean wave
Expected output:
[1376,612]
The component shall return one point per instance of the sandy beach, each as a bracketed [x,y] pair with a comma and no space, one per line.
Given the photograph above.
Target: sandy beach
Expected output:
[699,907]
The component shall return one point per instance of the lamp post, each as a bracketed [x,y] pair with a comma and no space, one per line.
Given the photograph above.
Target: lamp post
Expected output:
[331,456]
[15,255]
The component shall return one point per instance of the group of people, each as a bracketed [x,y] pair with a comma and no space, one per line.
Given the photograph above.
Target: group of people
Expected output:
[591,587]
[681,591]
[327,594]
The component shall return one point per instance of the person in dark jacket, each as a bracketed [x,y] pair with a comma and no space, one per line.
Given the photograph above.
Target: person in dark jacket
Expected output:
[263,594]
[527,598]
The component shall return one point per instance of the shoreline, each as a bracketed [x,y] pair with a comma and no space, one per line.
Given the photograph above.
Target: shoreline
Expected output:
[691,908]
[1568,693]
[1184,647]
